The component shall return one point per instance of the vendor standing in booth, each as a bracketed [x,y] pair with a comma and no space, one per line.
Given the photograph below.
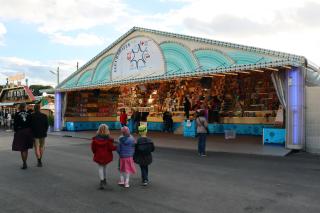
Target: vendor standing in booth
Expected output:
[167,121]
[216,105]
[136,118]
[123,118]
[187,107]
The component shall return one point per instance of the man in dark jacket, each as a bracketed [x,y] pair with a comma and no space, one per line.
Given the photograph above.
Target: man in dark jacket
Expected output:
[39,126]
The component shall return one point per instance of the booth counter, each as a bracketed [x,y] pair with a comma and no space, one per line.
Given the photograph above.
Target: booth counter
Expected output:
[241,129]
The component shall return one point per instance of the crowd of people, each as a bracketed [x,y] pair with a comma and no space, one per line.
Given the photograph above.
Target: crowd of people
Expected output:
[6,119]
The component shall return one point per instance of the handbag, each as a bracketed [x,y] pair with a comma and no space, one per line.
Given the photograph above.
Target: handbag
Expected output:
[206,128]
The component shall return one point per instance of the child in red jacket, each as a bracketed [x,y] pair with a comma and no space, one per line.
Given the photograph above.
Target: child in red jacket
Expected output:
[102,147]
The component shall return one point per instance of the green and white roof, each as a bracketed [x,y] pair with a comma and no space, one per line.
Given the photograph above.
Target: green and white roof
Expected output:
[142,55]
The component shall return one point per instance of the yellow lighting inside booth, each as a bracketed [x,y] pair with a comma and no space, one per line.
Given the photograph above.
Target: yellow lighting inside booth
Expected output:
[273,69]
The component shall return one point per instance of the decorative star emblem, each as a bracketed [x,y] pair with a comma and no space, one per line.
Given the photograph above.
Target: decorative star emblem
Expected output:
[139,55]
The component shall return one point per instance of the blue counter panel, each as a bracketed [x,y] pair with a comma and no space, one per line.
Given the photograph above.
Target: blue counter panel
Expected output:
[241,129]
[81,126]
[155,126]
[274,136]
[158,126]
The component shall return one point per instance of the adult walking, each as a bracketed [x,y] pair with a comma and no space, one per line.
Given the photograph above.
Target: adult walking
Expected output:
[39,126]
[202,131]
[23,138]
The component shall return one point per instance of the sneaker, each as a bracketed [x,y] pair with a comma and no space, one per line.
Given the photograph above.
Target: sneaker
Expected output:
[145,183]
[101,185]
[203,155]
[126,185]
[121,183]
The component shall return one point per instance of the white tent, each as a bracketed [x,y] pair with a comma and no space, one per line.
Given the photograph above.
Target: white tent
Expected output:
[49,106]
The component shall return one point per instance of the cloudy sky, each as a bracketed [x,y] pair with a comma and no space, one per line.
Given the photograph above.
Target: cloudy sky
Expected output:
[37,36]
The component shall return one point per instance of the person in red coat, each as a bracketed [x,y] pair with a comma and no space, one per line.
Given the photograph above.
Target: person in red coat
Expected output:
[102,147]
[123,118]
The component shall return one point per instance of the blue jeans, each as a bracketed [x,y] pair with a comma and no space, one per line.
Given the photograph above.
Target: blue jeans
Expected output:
[202,143]
[144,173]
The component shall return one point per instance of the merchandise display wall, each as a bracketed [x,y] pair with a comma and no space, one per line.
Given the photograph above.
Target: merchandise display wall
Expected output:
[246,101]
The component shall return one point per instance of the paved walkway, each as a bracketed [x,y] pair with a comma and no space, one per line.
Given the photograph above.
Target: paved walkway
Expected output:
[181,182]
[215,143]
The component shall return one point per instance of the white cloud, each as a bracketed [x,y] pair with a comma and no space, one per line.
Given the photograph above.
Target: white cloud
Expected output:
[10,61]
[37,72]
[2,78]
[63,15]
[286,25]
[3,31]
[82,39]
[54,17]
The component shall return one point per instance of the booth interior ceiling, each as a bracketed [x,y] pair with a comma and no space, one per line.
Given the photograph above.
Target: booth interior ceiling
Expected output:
[206,82]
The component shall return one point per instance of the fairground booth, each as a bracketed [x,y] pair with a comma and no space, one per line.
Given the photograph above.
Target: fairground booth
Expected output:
[243,89]
[12,96]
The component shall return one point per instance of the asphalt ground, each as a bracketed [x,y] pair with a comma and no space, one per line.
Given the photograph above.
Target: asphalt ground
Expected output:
[181,181]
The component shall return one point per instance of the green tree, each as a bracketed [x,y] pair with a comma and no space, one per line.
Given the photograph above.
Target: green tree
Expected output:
[36,89]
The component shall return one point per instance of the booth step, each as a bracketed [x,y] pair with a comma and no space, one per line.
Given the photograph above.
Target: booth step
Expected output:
[179,130]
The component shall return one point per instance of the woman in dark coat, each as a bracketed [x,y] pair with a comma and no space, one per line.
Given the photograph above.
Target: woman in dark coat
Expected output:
[142,153]
[23,139]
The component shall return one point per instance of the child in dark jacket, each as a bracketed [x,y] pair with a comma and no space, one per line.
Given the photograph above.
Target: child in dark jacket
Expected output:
[126,151]
[142,154]
[102,147]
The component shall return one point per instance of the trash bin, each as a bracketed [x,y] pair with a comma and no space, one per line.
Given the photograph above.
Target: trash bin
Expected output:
[229,134]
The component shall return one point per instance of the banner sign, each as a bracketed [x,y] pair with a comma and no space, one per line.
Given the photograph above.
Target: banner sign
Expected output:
[16,77]
[137,58]
[18,94]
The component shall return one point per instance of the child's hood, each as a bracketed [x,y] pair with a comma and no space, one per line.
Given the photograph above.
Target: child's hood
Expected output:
[101,139]
[126,140]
